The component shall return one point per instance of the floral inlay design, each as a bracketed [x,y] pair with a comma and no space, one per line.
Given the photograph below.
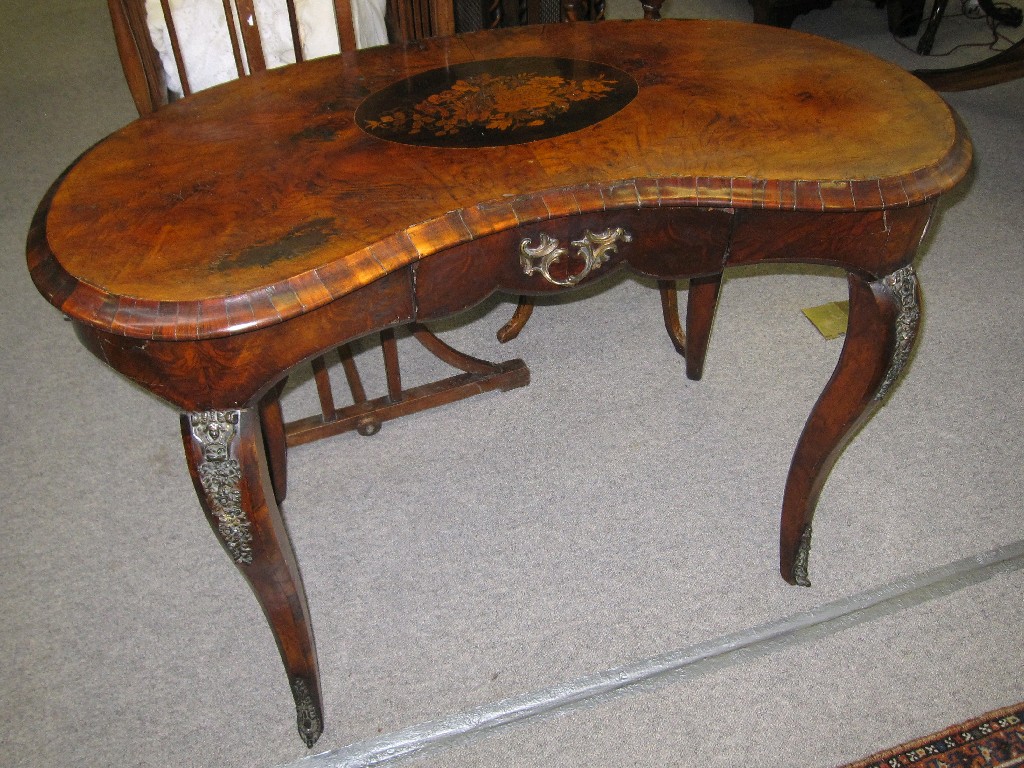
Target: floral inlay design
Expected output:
[500,102]
[497,102]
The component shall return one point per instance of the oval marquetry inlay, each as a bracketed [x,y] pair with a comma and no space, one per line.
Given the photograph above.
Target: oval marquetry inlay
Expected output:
[496,102]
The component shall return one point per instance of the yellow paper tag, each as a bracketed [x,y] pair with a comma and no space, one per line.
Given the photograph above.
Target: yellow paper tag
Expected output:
[830,319]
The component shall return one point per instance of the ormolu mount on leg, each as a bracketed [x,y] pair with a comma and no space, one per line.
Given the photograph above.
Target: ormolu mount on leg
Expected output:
[227,457]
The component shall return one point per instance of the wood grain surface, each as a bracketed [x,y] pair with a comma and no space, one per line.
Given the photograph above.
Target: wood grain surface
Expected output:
[261,199]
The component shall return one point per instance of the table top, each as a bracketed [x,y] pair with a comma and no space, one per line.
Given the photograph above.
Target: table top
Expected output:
[261,199]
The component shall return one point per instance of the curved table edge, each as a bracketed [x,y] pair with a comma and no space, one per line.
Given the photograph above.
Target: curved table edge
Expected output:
[266,306]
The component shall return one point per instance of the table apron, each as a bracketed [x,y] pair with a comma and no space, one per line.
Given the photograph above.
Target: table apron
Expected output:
[670,243]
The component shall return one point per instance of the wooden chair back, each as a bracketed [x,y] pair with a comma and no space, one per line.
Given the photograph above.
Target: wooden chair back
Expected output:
[406,20]
[514,13]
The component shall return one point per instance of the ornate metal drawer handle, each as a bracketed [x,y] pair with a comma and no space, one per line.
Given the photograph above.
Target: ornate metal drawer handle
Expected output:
[594,249]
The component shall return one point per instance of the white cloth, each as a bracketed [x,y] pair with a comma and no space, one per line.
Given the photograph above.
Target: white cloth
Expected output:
[206,48]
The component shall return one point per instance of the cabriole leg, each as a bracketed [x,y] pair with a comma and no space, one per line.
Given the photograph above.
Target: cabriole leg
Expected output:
[275,440]
[701,302]
[227,459]
[511,329]
[882,328]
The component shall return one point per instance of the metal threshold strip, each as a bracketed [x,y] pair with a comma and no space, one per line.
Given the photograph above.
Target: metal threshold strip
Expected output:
[677,665]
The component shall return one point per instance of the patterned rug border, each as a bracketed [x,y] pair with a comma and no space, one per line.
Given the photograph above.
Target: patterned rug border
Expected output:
[996,737]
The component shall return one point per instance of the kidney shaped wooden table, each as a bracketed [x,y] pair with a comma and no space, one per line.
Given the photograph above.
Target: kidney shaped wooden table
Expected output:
[208,249]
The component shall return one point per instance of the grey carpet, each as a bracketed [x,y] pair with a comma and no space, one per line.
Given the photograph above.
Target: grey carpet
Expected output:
[610,513]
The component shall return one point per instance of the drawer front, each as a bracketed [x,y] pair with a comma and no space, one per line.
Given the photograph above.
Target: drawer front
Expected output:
[564,253]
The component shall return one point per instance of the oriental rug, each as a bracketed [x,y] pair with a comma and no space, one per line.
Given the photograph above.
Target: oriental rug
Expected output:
[994,740]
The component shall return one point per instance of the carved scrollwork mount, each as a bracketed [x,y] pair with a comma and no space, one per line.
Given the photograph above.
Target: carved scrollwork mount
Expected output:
[307,710]
[593,249]
[903,285]
[803,556]
[221,477]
